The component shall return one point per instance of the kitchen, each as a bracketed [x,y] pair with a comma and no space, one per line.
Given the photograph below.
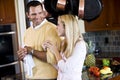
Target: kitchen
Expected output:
[105,37]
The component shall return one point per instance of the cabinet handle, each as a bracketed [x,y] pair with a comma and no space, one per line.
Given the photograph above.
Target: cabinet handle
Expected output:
[1,20]
[7,33]
[9,64]
[107,25]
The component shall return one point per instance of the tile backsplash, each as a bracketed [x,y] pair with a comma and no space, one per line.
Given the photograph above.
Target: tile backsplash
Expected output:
[107,41]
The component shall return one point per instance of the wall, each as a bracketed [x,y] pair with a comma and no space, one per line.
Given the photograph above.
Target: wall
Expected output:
[21,25]
[107,41]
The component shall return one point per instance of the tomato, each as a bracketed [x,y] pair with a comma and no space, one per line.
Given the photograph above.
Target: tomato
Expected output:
[94,70]
[97,74]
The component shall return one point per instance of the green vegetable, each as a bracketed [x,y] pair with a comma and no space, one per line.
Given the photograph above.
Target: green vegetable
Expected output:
[106,62]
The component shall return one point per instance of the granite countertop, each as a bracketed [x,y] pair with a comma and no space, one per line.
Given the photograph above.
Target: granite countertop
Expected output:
[88,76]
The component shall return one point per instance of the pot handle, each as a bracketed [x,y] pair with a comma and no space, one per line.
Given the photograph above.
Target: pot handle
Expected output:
[81,9]
[61,5]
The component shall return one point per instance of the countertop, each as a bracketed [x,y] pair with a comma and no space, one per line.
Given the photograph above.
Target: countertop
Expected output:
[88,76]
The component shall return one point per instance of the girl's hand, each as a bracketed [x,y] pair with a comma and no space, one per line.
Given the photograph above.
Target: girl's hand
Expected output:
[51,46]
[53,49]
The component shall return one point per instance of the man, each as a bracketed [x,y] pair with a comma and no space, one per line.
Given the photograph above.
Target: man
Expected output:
[40,31]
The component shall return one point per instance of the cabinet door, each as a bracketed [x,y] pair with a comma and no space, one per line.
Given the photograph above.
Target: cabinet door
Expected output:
[115,15]
[102,22]
[2,12]
[8,11]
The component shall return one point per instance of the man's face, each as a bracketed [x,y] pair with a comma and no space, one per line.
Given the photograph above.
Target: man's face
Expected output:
[36,15]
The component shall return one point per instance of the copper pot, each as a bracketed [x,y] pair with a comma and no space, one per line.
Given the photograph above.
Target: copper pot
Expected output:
[84,9]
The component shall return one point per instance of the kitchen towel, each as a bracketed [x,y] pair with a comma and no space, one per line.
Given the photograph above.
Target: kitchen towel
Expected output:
[28,64]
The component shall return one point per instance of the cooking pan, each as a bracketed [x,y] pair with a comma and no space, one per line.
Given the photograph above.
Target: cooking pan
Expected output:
[85,9]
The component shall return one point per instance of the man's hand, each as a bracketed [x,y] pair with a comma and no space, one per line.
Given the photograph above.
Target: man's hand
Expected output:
[22,52]
[29,49]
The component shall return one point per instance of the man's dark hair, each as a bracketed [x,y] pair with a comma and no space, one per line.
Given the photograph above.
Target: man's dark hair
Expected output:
[34,4]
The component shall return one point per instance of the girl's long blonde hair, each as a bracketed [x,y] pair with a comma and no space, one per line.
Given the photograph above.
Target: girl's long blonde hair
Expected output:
[72,32]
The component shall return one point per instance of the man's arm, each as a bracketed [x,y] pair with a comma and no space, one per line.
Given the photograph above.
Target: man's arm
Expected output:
[38,54]
[52,36]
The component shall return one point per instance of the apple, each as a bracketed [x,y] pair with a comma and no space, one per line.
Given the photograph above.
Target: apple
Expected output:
[106,62]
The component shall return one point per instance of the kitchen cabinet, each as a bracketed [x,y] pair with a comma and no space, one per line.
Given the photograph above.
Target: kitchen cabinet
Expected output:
[7,12]
[109,18]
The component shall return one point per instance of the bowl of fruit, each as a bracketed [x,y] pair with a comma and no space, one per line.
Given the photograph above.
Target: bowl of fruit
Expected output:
[115,64]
